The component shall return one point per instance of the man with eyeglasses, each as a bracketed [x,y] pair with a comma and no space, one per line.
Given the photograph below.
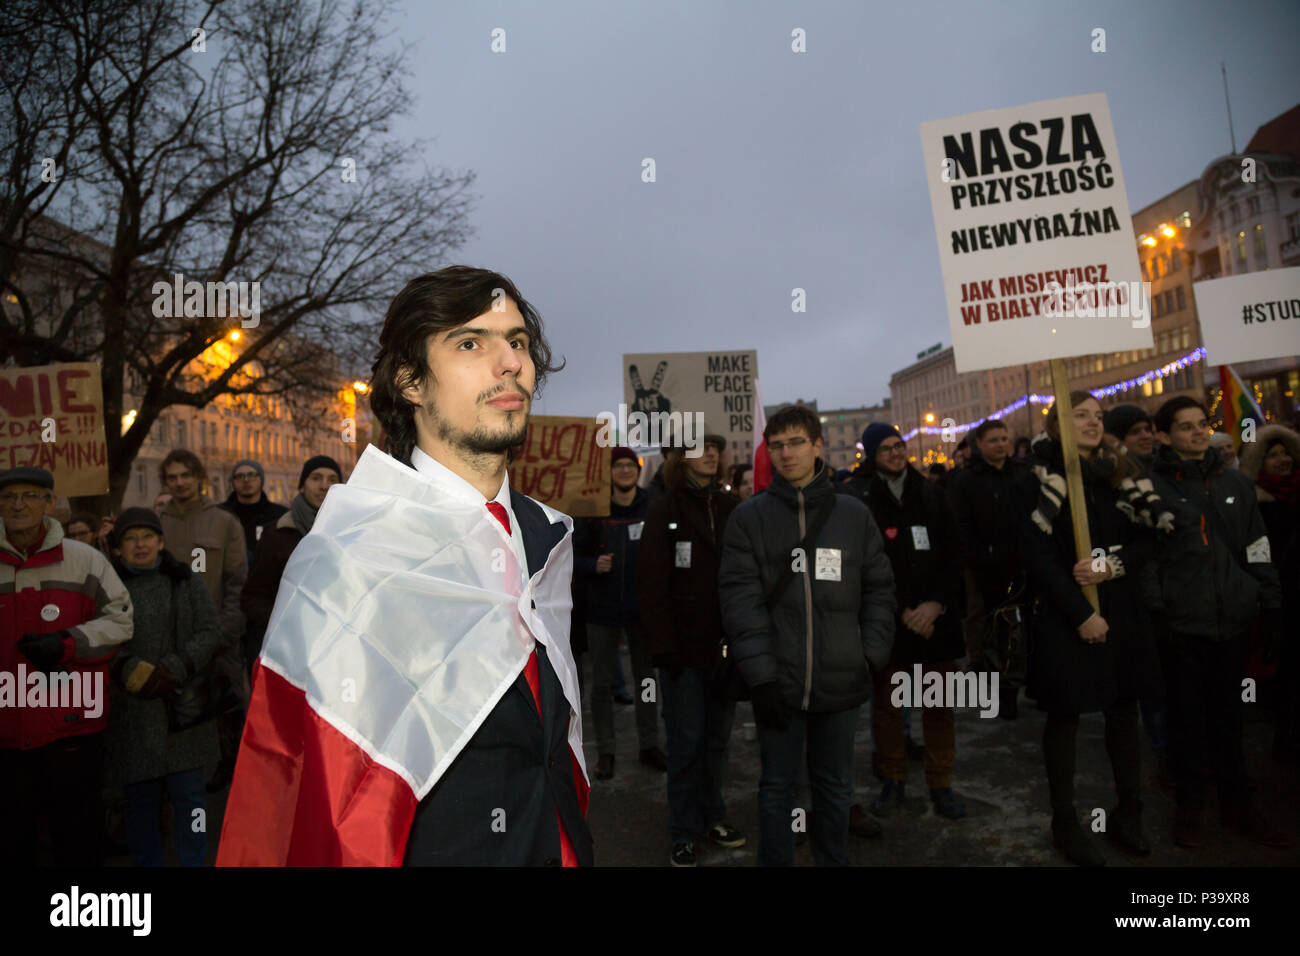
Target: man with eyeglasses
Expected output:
[604,561]
[808,608]
[248,502]
[63,615]
[921,542]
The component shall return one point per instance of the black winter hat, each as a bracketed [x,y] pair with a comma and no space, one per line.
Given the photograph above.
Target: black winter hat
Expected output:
[1119,421]
[872,436]
[319,461]
[27,476]
[135,518]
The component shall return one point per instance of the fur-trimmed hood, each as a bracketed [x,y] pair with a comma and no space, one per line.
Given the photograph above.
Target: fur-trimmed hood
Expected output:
[1251,457]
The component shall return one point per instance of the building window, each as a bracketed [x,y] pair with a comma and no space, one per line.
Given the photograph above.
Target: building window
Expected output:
[180,434]
[1175,260]
[1187,336]
[1182,297]
[1185,220]
[1259,240]
[1156,302]
[1293,226]
[1241,245]
[1252,206]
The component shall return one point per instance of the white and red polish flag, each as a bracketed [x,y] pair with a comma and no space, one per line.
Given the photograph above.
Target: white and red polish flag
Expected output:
[401,620]
[762,476]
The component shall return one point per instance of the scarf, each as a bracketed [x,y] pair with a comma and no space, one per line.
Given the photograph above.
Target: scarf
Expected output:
[1282,487]
[1137,499]
[303,514]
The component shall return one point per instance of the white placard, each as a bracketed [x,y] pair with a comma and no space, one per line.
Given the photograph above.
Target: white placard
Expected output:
[1022,197]
[1251,316]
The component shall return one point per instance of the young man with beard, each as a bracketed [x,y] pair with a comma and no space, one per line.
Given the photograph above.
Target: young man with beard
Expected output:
[1216,577]
[921,543]
[416,688]
[605,562]
[808,606]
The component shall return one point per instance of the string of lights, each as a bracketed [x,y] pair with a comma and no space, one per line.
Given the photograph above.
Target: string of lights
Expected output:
[1170,368]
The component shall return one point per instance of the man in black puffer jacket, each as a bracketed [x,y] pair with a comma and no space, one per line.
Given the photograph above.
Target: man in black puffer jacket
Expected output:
[805,642]
[921,541]
[1216,577]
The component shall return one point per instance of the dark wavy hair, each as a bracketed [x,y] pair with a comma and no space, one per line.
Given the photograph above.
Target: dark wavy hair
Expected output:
[429,305]
[183,456]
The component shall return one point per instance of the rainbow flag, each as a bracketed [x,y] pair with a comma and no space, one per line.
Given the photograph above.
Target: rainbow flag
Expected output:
[1237,405]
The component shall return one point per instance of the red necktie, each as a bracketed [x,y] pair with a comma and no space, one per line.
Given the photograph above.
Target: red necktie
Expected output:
[531,674]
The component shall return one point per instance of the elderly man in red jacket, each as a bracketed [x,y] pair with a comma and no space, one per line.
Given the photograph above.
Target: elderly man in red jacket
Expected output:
[63,615]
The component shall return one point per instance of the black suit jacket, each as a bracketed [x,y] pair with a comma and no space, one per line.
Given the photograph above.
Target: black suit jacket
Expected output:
[496,804]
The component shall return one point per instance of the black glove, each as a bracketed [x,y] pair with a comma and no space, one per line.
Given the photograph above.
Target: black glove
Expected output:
[770,708]
[669,661]
[47,651]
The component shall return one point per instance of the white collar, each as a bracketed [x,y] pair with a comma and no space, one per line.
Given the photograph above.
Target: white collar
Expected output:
[454,484]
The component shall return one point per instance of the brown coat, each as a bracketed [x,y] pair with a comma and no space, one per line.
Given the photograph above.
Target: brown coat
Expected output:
[205,524]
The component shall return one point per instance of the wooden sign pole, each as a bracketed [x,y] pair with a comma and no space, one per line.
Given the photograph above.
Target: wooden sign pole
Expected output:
[1073,473]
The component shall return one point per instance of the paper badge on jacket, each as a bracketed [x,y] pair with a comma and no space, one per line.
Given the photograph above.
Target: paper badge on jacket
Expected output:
[828,564]
[1257,552]
[634,531]
[683,554]
[920,537]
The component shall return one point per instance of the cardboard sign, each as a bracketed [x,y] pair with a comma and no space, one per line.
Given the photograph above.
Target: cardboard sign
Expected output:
[677,390]
[52,417]
[1025,197]
[1251,316]
[562,465]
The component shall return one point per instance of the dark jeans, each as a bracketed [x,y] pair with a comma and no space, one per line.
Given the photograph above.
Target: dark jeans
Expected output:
[699,727]
[604,640]
[1203,709]
[189,830]
[62,781]
[830,775]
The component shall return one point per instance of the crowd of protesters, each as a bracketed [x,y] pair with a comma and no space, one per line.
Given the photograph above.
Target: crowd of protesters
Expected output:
[808,599]
[154,618]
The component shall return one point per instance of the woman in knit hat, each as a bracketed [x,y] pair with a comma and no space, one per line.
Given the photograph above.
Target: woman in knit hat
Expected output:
[176,634]
[274,548]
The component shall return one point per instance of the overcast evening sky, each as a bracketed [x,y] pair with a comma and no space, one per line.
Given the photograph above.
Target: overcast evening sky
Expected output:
[778,170]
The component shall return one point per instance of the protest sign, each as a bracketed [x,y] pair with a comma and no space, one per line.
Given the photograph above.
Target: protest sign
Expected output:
[1035,240]
[52,417]
[687,393]
[562,465]
[1251,316]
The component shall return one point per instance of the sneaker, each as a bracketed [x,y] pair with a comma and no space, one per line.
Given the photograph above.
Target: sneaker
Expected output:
[890,799]
[947,804]
[863,824]
[683,854]
[724,834]
[1251,824]
[655,758]
[605,767]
